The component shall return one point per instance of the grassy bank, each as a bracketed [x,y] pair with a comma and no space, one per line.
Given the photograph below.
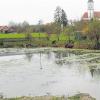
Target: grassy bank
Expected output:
[76,97]
[37,40]
[43,40]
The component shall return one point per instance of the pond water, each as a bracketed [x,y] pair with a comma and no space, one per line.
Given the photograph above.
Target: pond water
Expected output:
[50,73]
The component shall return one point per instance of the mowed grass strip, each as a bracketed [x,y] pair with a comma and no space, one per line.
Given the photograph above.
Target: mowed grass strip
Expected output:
[37,35]
[22,35]
[12,35]
[62,37]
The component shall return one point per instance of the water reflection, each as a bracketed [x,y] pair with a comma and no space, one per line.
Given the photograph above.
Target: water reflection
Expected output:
[95,73]
[41,61]
[29,56]
[49,55]
[80,66]
[58,55]
[92,72]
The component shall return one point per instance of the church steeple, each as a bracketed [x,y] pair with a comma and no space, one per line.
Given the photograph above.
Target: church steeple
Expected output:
[90,0]
[90,9]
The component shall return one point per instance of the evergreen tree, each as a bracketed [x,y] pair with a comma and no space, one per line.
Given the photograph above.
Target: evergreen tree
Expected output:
[57,15]
[64,20]
[60,17]
[60,20]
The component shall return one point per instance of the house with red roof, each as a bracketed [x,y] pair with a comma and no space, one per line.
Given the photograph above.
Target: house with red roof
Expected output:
[96,15]
[6,29]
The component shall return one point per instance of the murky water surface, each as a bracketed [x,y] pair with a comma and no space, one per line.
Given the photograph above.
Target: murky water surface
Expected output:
[50,73]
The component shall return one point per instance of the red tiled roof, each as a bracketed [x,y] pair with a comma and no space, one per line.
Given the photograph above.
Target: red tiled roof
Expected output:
[96,15]
[6,28]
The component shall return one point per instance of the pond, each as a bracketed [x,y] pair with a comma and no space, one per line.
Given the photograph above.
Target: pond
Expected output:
[49,72]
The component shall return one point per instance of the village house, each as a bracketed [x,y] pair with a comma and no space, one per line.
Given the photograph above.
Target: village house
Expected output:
[6,29]
[96,16]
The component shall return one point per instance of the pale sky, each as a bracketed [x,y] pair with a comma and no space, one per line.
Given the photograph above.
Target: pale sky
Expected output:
[34,10]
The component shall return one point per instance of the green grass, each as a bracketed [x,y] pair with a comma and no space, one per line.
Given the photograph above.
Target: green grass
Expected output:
[37,35]
[22,35]
[52,37]
[14,35]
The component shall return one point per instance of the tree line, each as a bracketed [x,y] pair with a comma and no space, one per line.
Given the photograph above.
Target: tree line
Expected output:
[89,30]
[60,20]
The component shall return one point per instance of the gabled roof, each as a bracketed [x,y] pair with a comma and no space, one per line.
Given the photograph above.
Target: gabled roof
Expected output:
[96,15]
[3,27]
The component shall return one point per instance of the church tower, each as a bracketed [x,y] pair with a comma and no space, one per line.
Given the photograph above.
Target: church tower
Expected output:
[90,9]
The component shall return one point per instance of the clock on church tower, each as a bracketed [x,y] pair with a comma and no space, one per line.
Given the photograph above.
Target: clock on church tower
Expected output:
[90,9]
[90,5]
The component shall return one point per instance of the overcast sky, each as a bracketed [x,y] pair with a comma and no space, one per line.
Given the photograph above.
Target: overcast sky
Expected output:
[34,10]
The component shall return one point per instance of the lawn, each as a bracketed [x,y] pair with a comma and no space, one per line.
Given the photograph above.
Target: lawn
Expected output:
[34,35]
[14,35]
[21,35]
